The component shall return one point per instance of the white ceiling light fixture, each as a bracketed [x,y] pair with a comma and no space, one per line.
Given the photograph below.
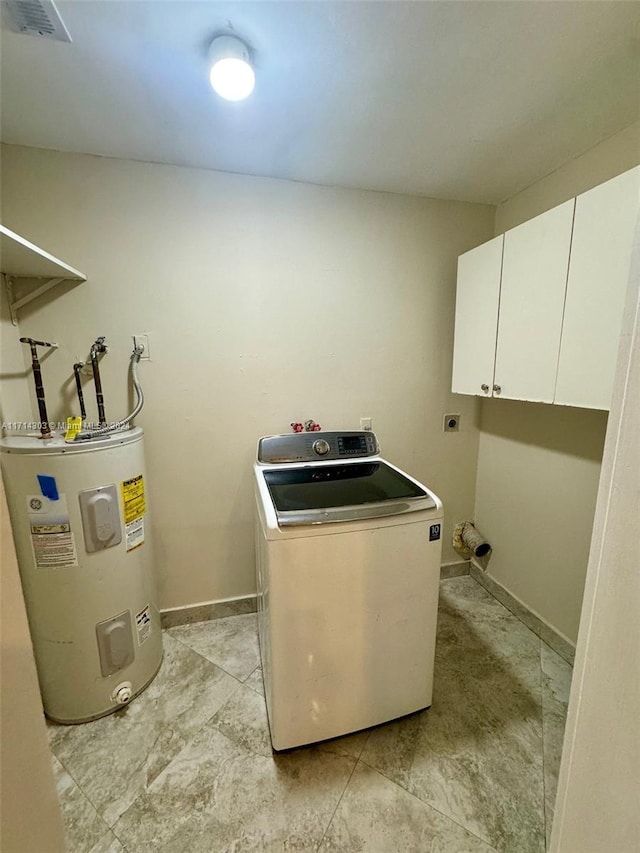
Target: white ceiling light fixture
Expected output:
[231,74]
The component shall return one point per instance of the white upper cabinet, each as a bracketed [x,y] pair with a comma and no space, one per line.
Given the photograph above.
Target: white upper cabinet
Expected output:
[477,298]
[548,298]
[603,233]
[534,279]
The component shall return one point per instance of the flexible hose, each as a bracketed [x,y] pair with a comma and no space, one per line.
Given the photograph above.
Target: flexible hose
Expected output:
[135,358]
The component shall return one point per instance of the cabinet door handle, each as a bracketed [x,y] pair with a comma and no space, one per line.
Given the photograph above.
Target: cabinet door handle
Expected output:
[485,387]
[497,389]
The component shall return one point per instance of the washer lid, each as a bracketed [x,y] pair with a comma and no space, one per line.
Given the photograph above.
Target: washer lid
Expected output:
[319,494]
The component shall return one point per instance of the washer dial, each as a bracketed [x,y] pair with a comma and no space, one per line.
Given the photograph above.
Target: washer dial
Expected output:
[321,447]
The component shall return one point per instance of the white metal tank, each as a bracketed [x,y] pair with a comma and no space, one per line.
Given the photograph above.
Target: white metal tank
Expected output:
[80,519]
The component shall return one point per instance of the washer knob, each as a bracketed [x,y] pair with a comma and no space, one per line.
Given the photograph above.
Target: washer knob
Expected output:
[321,447]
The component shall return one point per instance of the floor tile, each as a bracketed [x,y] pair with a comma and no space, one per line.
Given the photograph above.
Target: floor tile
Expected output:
[392,747]
[107,844]
[243,719]
[547,634]
[476,756]
[226,791]
[115,758]
[82,824]
[475,632]
[489,782]
[188,766]
[255,681]
[556,685]
[352,745]
[378,816]
[231,643]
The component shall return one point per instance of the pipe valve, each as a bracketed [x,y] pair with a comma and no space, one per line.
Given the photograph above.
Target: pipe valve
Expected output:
[123,693]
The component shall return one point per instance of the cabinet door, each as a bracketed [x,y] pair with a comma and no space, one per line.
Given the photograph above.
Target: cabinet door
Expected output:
[477,298]
[599,267]
[534,279]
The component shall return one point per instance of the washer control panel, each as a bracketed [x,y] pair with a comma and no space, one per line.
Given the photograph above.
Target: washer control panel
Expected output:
[312,446]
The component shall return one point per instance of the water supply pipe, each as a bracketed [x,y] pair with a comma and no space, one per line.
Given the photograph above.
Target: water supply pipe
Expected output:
[77,367]
[105,430]
[96,348]
[45,429]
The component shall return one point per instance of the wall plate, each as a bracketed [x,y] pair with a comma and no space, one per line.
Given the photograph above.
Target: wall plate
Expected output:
[143,338]
[451,423]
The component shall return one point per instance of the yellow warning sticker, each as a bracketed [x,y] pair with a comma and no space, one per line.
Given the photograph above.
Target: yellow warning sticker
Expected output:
[133,498]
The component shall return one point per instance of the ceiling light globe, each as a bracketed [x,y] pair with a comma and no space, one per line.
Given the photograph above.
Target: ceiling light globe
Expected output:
[232,79]
[231,75]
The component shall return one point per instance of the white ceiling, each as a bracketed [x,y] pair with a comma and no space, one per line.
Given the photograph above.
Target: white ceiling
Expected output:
[461,100]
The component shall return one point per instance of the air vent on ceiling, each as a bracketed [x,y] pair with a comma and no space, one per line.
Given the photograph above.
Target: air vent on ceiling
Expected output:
[37,18]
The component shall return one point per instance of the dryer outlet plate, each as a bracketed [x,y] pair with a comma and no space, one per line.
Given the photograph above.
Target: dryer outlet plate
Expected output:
[451,423]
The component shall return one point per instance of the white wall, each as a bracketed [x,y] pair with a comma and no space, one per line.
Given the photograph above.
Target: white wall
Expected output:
[30,814]
[266,302]
[538,466]
[597,165]
[13,373]
[597,803]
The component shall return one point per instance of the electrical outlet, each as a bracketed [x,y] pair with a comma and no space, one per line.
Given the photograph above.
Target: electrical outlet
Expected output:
[451,423]
[365,423]
[142,339]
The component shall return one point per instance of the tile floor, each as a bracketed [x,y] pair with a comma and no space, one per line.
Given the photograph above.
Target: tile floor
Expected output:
[188,765]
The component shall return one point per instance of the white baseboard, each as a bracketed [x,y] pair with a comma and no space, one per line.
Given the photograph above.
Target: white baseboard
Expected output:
[547,633]
[206,610]
[454,569]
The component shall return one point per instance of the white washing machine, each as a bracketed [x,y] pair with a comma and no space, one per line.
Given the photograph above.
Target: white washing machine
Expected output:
[348,554]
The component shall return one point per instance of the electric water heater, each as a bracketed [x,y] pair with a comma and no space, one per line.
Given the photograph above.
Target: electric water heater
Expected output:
[79,512]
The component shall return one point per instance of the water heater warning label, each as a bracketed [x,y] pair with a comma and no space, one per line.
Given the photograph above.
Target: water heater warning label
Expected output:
[134,504]
[134,533]
[143,625]
[133,498]
[51,537]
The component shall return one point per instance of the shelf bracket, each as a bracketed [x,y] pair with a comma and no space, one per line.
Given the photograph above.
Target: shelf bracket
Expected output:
[22,260]
[16,304]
